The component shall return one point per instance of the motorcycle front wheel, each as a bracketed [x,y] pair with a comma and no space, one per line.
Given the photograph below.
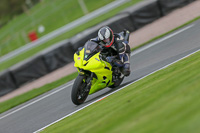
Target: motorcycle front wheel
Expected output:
[79,91]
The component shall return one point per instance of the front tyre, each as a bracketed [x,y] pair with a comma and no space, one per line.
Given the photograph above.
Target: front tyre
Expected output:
[79,90]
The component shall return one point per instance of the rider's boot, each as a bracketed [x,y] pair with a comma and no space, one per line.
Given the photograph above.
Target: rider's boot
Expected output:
[126,69]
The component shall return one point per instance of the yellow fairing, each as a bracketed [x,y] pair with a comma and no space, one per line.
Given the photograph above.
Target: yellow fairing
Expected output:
[101,68]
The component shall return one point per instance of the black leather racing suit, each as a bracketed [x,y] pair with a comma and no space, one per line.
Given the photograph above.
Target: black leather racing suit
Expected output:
[119,52]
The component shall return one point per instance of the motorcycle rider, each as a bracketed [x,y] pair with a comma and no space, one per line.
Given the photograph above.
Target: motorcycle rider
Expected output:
[115,48]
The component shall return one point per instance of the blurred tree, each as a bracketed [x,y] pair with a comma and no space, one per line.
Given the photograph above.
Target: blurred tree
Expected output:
[16,7]
[4,4]
[11,8]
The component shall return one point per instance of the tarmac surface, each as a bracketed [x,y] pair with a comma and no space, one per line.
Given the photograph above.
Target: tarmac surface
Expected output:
[162,25]
[56,104]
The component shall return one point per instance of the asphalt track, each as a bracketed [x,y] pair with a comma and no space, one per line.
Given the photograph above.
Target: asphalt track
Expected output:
[56,104]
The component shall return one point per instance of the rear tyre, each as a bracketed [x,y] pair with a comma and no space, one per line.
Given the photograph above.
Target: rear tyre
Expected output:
[117,83]
[79,90]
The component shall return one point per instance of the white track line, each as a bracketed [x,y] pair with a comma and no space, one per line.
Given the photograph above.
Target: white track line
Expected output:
[62,88]
[133,53]
[161,40]
[113,92]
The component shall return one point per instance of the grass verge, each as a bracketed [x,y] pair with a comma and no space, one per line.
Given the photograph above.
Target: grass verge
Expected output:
[20,99]
[164,102]
[50,14]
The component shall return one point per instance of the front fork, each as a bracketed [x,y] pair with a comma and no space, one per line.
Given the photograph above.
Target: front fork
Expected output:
[88,80]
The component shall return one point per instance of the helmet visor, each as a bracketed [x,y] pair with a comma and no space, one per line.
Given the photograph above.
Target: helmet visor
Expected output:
[106,41]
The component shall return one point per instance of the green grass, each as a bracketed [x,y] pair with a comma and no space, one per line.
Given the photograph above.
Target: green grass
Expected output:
[50,14]
[164,102]
[21,57]
[4,106]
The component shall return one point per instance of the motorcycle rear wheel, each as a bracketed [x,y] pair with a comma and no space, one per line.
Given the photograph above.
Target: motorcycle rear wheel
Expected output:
[79,92]
[117,83]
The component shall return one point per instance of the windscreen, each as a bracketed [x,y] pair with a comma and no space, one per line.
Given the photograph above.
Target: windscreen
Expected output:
[90,49]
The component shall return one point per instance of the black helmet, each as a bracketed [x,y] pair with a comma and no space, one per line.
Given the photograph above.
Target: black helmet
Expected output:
[105,34]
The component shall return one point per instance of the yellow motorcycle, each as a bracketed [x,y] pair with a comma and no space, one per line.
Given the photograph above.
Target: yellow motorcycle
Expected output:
[95,73]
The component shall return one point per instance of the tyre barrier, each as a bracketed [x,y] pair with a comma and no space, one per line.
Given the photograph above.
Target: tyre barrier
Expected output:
[61,53]
[80,39]
[7,83]
[29,70]
[144,14]
[58,55]
[167,6]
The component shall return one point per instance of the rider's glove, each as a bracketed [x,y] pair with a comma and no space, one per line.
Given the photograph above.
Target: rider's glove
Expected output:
[110,59]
